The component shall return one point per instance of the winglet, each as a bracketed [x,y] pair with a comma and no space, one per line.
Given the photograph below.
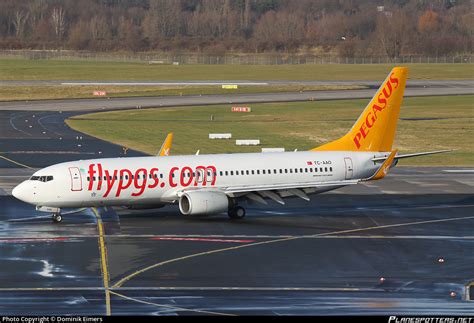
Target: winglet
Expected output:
[383,170]
[166,147]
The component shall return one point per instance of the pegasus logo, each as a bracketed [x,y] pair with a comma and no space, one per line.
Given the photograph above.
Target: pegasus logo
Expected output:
[371,117]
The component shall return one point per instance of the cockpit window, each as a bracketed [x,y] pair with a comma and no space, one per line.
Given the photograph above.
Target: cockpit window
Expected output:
[41,178]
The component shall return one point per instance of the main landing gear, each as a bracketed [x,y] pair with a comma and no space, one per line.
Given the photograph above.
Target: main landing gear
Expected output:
[236,213]
[57,217]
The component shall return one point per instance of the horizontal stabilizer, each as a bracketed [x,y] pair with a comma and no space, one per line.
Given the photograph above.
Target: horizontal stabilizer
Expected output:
[412,155]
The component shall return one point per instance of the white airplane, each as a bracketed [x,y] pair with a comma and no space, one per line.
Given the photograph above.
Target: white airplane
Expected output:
[211,184]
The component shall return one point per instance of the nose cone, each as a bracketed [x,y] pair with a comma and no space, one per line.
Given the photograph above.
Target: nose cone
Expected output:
[22,193]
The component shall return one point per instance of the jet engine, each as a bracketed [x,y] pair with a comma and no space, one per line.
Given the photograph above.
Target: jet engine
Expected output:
[203,203]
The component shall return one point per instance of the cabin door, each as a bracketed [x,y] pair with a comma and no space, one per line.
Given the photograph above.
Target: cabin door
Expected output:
[76,181]
[349,168]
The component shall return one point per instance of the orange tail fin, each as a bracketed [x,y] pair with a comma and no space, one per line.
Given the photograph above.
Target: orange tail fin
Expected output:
[376,127]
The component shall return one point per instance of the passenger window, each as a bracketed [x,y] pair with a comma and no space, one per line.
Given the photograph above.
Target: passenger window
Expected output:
[310,170]
[281,171]
[231,172]
[88,178]
[330,169]
[263,171]
[258,172]
[286,171]
[253,172]
[291,170]
[236,172]
[325,169]
[321,169]
[248,172]
[301,170]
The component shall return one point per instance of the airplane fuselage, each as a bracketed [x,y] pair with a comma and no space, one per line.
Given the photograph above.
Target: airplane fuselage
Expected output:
[139,181]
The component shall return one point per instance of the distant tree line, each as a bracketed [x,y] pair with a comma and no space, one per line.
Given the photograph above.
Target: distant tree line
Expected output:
[348,28]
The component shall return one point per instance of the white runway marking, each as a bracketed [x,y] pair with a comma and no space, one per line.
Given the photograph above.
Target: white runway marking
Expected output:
[13,126]
[458,170]
[161,83]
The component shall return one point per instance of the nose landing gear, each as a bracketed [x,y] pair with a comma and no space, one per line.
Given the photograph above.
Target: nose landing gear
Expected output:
[57,217]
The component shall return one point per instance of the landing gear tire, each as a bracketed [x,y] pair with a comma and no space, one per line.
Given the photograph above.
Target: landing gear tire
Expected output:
[57,217]
[237,213]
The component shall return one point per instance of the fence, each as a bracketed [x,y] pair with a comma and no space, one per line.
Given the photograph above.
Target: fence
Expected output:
[261,59]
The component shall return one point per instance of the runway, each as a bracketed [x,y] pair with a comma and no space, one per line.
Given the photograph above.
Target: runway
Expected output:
[370,84]
[370,249]
[195,100]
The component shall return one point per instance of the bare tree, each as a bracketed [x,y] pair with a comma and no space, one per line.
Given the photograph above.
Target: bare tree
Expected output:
[247,14]
[19,21]
[37,9]
[392,32]
[58,21]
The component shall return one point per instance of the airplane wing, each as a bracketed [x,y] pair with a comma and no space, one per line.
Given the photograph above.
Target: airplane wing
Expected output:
[276,192]
[166,146]
[267,187]
[378,159]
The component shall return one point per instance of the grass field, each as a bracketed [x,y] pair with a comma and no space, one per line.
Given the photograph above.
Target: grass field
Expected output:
[14,93]
[428,123]
[21,69]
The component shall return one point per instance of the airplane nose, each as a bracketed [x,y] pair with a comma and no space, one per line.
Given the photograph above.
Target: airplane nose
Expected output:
[20,192]
[16,191]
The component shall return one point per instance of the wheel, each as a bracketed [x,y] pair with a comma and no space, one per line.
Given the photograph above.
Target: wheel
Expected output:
[237,212]
[57,218]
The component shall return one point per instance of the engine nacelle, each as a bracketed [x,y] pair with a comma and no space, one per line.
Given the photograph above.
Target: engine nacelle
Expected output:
[203,203]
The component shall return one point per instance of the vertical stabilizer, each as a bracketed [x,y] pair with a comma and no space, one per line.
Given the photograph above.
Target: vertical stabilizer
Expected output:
[376,127]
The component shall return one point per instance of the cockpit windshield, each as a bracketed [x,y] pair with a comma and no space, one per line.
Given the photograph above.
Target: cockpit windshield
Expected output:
[41,178]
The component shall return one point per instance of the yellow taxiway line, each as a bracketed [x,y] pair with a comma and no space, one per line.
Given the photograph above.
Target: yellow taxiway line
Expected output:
[103,260]
[138,272]
[15,162]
